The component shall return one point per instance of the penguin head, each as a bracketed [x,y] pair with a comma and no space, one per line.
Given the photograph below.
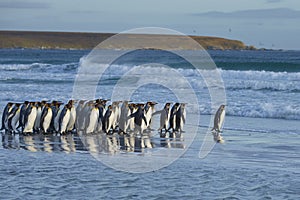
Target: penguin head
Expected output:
[71,102]
[68,106]
[152,103]
[103,102]
[58,104]
[18,105]
[47,105]
[43,103]
[167,105]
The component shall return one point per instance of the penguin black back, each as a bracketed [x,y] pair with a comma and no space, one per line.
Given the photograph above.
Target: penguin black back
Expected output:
[5,114]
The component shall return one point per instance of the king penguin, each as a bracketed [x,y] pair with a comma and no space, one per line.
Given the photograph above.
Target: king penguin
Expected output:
[108,119]
[71,124]
[125,112]
[46,118]
[22,114]
[101,108]
[93,120]
[30,117]
[79,115]
[219,119]
[140,120]
[149,110]
[37,123]
[64,118]
[13,118]
[133,108]
[172,120]
[164,117]
[5,114]
[180,117]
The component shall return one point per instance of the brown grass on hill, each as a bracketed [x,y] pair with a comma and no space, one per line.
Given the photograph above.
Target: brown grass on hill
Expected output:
[72,40]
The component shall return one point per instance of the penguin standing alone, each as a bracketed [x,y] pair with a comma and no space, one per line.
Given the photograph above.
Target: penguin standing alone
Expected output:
[219,119]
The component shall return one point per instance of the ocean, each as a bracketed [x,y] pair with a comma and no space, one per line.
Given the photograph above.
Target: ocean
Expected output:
[259,159]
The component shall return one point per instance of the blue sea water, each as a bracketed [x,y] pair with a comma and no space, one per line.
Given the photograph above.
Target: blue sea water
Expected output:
[259,160]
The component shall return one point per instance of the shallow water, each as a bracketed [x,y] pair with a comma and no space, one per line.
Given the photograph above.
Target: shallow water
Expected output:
[251,164]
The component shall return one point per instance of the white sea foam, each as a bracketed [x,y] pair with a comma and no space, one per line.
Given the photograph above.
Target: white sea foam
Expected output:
[259,94]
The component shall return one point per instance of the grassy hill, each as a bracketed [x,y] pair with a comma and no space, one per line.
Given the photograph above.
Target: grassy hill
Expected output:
[74,40]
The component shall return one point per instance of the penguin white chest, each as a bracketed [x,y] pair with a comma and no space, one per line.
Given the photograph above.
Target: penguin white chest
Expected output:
[47,119]
[30,121]
[222,118]
[65,121]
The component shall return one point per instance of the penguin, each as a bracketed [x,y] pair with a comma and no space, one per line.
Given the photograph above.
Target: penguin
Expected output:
[5,114]
[116,113]
[38,117]
[108,119]
[55,107]
[71,123]
[64,118]
[131,125]
[46,118]
[149,110]
[30,117]
[22,115]
[219,119]
[180,118]
[123,122]
[79,115]
[164,117]
[101,108]
[88,106]
[93,119]
[13,118]
[56,121]
[86,111]
[140,120]
[172,119]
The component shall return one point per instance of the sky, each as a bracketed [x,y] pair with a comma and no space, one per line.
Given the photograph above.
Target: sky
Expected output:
[262,23]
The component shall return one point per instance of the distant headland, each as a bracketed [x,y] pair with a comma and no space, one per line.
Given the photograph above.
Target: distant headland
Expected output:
[78,40]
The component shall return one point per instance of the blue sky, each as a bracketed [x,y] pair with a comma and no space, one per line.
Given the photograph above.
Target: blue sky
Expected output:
[262,23]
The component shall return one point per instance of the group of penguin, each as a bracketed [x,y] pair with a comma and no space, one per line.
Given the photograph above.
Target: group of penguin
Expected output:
[90,116]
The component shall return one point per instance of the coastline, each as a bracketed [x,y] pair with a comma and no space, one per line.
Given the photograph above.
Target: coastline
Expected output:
[83,41]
